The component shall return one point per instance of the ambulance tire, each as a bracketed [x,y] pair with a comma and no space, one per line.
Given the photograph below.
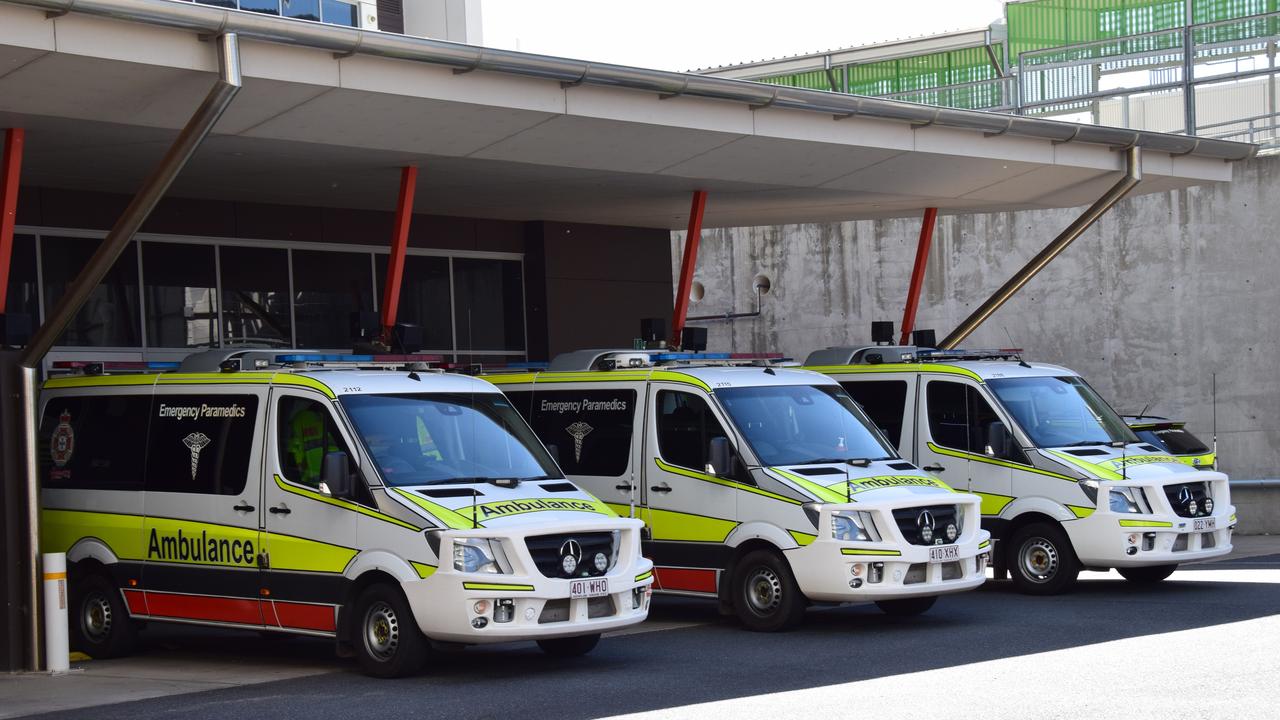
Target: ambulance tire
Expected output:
[385,637]
[907,607]
[100,622]
[569,647]
[1148,575]
[765,595]
[1041,561]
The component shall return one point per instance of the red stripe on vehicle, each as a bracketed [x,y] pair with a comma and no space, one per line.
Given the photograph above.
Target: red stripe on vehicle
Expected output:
[198,607]
[136,600]
[305,617]
[686,579]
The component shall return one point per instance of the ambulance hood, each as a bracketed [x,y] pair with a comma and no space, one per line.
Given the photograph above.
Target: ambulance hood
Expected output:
[1108,463]
[879,481]
[462,506]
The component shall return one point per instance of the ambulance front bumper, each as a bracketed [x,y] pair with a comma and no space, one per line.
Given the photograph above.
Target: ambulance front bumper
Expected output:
[525,604]
[895,567]
[1107,539]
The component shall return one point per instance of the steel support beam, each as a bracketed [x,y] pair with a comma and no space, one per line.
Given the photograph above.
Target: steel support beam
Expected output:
[14,139]
[57,319]
[692,237]
[917,273]
[399,243]
[1132,176]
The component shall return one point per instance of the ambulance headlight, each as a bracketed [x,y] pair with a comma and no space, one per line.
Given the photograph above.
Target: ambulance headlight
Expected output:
[1124,501]
[475,555]
[851,526]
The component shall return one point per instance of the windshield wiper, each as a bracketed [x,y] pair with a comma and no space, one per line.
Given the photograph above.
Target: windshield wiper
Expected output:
[859,462]
[1083,443]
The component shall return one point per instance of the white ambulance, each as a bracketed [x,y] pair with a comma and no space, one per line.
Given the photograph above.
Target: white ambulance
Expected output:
[762,486]
[368,499]
[1065,484]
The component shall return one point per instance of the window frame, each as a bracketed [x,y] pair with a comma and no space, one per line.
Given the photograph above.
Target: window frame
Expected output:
[740,462]
[972,390]
[360,491]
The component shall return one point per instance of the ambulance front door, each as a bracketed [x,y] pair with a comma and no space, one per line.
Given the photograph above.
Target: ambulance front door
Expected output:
[311,529]
[965,442]
[690,512]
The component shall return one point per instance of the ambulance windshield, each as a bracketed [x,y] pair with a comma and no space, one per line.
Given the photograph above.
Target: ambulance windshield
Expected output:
[1061,411]
[802,424]
[432,439]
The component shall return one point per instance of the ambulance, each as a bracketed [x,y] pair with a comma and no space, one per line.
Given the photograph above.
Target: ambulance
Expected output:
[760,486]
[372,500]
[1065,484]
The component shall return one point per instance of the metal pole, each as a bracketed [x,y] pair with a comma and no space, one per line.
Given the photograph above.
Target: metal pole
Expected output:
[14,139]
[399,242]
[1188,71]
[917,273]
[139,209]
[1132,176]
[687,263]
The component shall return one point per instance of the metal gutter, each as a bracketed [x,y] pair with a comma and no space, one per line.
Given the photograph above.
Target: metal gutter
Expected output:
[207,20]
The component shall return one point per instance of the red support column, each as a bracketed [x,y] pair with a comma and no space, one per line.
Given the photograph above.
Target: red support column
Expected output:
[687,264]
[9,176]
[917,273]
[399,242]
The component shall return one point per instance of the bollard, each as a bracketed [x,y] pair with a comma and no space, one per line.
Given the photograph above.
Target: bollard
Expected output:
[56,650]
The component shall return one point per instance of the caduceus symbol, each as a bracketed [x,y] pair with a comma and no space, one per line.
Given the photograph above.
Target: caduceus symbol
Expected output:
[578,431]
[195,442]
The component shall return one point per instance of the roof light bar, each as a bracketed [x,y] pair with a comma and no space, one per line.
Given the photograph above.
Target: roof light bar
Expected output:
[665,357]
[125,365]
[344,358]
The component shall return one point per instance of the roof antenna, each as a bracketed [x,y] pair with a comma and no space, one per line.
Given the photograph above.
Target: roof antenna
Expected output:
[1012,344]
[1145,408]
[1216,464]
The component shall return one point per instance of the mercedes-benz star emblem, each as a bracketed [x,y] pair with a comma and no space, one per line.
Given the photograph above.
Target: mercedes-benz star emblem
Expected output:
[1184,495]
[570,556]
[926,524]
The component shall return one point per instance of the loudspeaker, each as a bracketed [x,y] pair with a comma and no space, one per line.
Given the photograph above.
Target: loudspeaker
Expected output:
[693,339]
[882,331]
[653,329]
[924,338]
[406,338]
[365,326]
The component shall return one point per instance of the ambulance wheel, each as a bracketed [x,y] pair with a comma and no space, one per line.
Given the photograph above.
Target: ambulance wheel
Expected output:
[387,642]
[1041,560]
[569,647]
[1148,575]
[100,623]
[907,607]
[765,595]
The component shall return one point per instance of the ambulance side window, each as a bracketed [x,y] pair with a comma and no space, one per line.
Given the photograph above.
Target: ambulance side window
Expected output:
[685,428]
[201,443]
[960,418]
[884,401]
[96,442]
[590,428]
[307,432]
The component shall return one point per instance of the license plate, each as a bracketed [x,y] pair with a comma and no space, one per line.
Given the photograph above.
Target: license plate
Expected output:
[1204,523]
[589,588]
[944,553]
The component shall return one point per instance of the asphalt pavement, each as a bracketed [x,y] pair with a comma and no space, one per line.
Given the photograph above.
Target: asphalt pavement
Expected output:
[1202,644]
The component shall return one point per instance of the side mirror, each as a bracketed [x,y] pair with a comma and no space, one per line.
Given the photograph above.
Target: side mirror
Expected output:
[554,450]
[719,456]
[998,440]
[334,474]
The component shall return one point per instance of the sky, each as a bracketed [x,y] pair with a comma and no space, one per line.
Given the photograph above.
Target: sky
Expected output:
[689,34]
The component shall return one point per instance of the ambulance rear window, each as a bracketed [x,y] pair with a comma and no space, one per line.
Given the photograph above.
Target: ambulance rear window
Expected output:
[95,442]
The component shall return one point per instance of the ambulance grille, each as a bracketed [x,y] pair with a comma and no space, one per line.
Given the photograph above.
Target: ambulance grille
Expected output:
[1195,491]
[908,520]
[548,553]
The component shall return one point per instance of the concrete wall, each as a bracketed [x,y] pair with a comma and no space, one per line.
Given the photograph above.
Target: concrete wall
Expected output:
[1165,291]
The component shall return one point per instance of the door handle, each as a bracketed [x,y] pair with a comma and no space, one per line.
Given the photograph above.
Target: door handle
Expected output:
[624,487]
[933,468]
[663,488]
[279,510]
[243,507]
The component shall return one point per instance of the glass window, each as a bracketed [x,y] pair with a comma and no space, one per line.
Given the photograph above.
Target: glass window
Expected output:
[424,298]
[255,296]
[591,429]
[328,287]
[337,12]
[201,443]
[302,9]
[270,7]
[307,433]
[181,292]
[961,419]
[489,297]
[447,438]
[22,294]
[110,317]
[1061,411]
[802,424]
[685,429]
[884,401]
[220,3]
[1174,439]
[94,443]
